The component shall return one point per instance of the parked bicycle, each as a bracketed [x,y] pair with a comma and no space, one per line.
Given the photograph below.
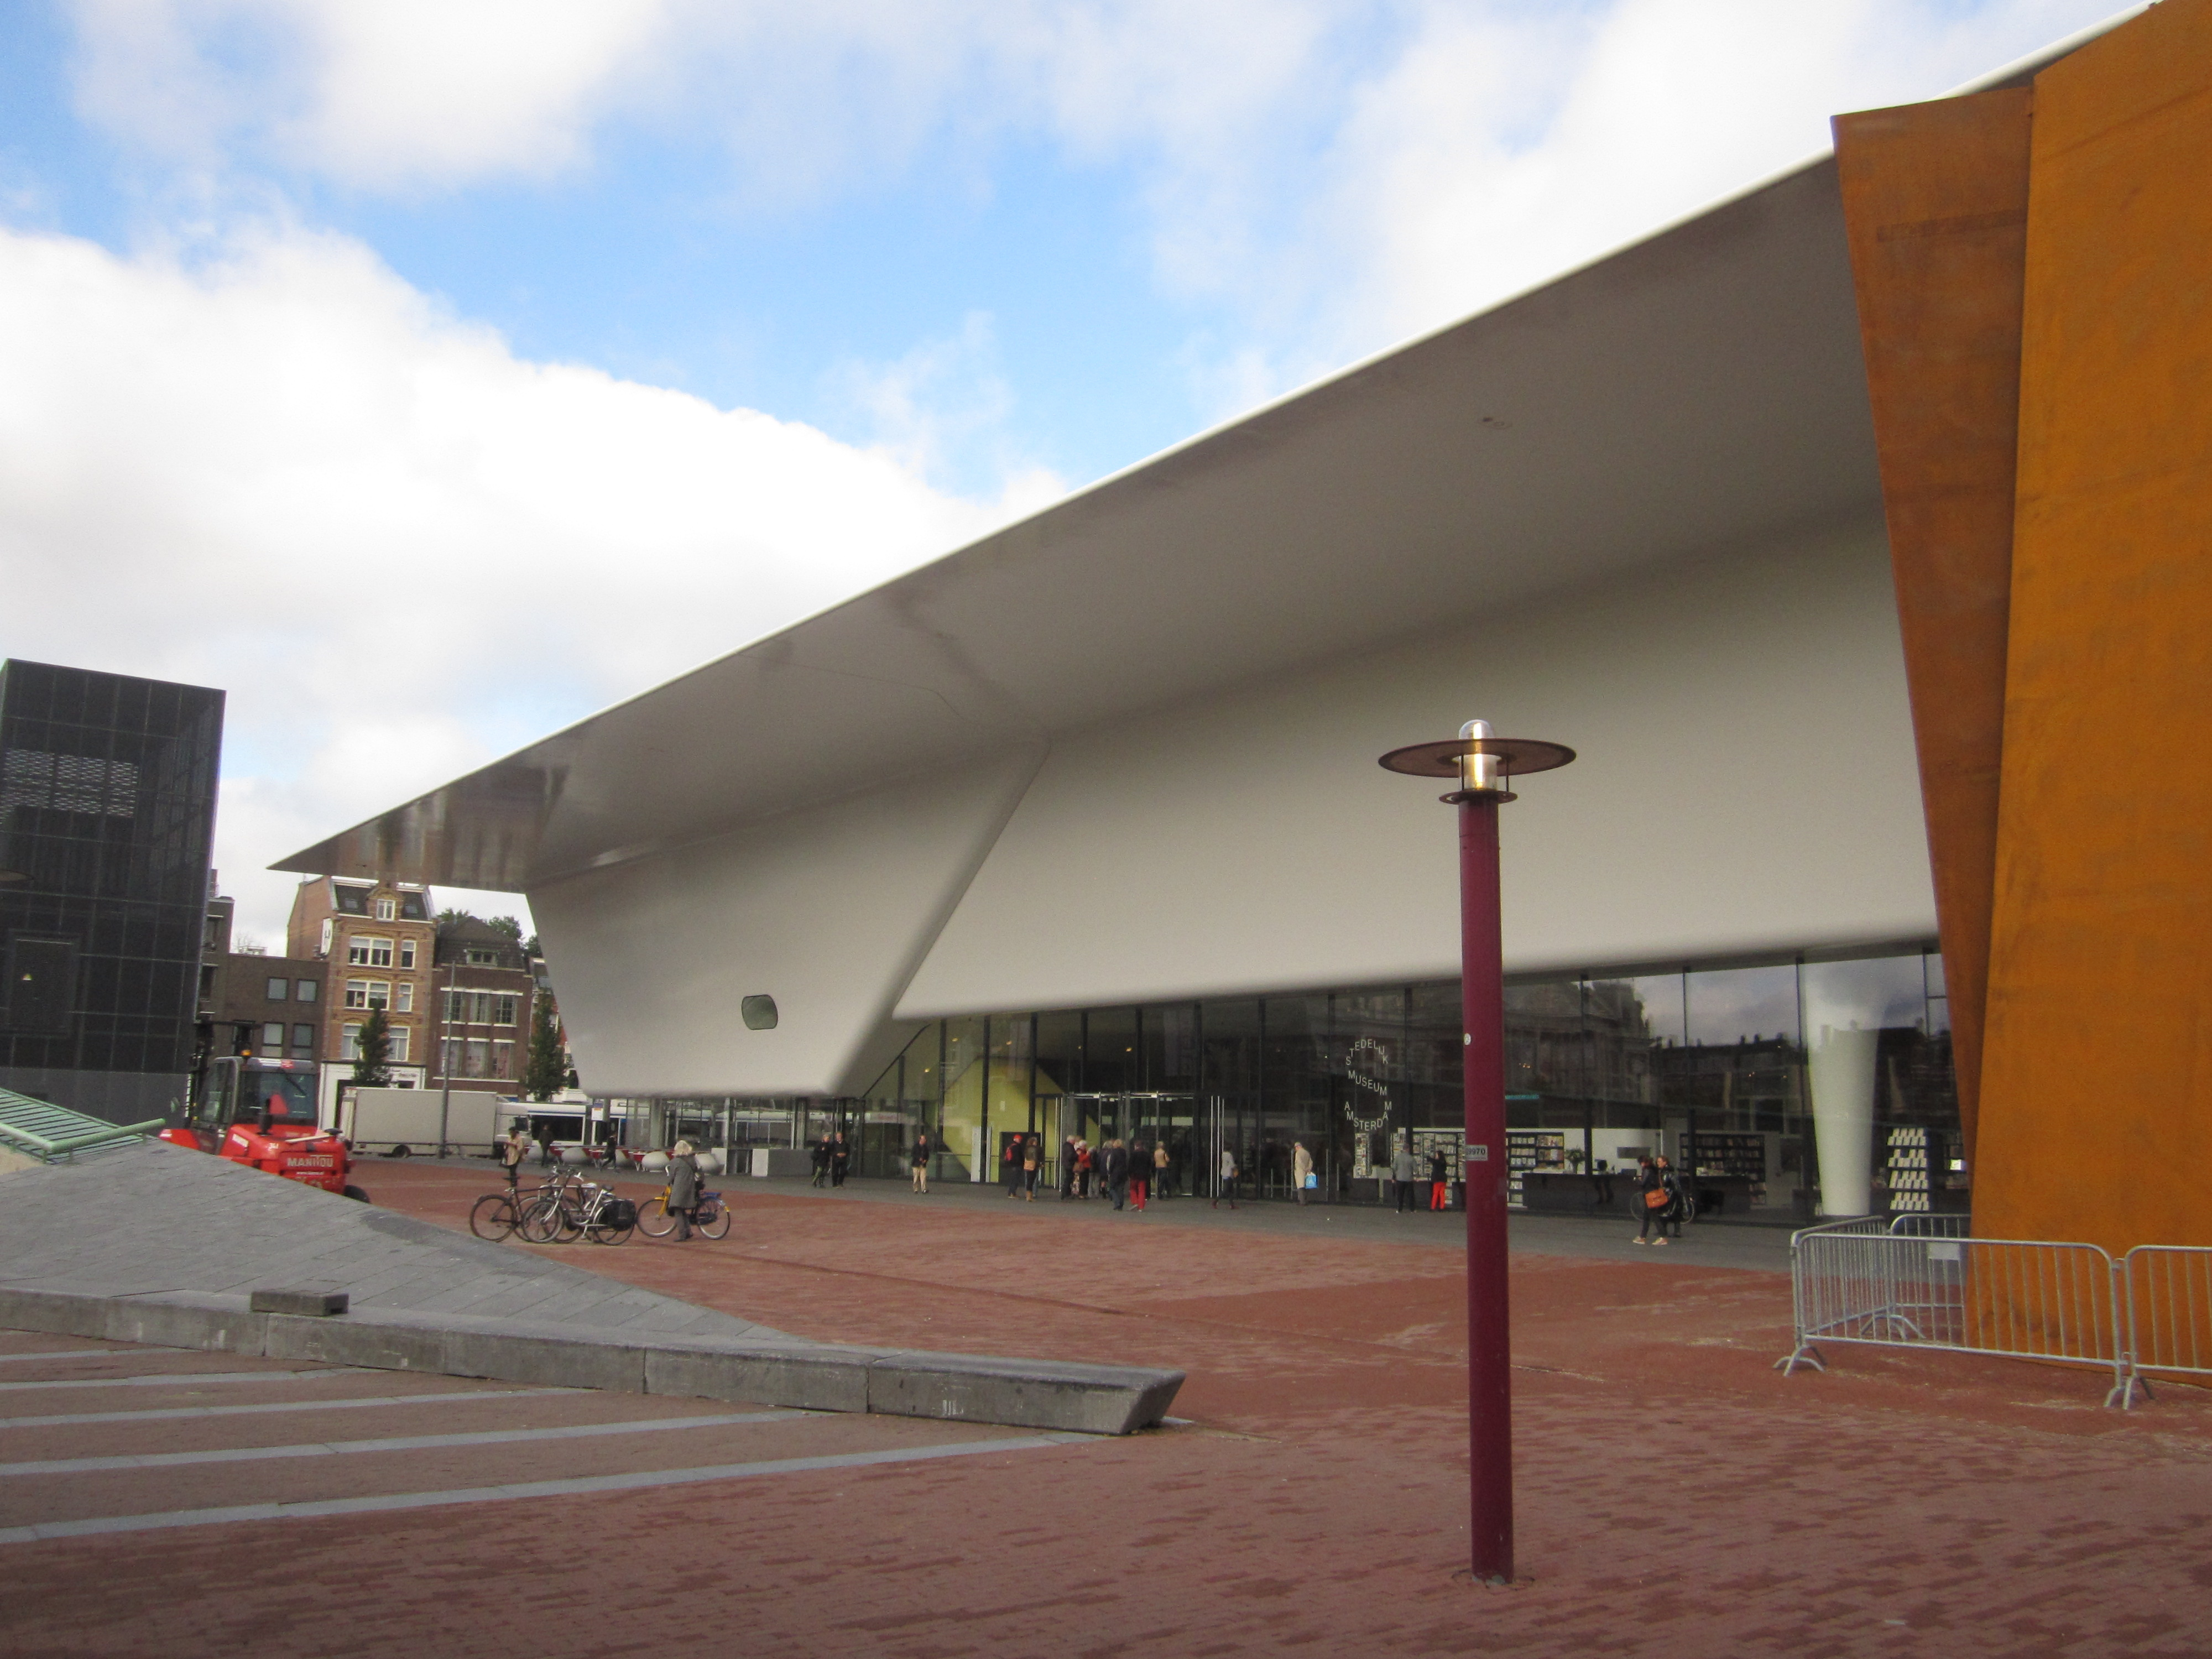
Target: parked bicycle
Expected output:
[710,1216]
[496,1215]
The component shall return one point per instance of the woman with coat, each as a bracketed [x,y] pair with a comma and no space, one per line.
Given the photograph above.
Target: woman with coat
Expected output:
[1301,1167]
[682,1187]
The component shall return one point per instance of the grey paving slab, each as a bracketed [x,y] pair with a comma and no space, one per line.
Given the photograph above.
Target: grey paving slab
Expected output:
[157,1219]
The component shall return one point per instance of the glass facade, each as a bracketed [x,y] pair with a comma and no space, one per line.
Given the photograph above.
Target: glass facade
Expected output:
[1777,1084]
[107,792]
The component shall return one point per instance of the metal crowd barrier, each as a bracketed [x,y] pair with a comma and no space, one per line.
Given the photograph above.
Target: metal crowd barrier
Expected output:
[1905,1285]
[2167,1289]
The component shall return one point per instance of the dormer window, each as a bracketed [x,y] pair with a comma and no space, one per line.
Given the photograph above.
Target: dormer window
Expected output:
[387,909]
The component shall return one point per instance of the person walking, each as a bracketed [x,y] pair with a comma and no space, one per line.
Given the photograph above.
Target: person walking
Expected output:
[1405,1171]
[1300,1169]
[1650,1199]
[1031,1155]
[820,1163]
[1439,1179]
[1228,1174]
[1117,1171]
[1010,1168]
[1140,1174]
[682,1187]
[841,1159]
[1160,1182]
[511,1151]
[918,1158]
[1066,1168]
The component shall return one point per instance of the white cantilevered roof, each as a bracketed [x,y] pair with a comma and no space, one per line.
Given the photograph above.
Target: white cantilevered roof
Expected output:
[1700,389]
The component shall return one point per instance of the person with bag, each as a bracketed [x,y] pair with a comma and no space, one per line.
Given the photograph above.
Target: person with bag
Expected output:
[1652,1199]
[1680,1201]
[1302,1170]
[682,1187]
[1404,1171]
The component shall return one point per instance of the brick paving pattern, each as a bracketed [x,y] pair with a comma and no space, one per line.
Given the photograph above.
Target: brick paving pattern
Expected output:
[1676,1495]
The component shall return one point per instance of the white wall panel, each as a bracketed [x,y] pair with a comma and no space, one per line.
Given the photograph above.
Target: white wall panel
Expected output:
[1746,781]
[827,910]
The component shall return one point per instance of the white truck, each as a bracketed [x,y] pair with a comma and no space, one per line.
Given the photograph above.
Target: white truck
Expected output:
[401,1122]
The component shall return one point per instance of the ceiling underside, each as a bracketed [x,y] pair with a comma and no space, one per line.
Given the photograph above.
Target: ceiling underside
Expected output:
[1695,392]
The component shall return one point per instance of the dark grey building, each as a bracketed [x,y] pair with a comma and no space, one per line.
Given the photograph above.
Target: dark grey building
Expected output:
[107,794]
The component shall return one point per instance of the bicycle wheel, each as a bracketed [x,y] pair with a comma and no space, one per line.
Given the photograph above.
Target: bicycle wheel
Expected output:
[492,1218]
[599,1233]
[716,1225]
[652,1218]
[572,1220]
[540,1224]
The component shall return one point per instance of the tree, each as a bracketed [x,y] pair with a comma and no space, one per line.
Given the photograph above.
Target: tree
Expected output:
[447,917]
[507,924]
[372,1068]
[547,1069]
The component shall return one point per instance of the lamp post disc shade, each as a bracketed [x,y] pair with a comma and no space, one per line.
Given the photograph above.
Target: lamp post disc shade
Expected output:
[1516,756]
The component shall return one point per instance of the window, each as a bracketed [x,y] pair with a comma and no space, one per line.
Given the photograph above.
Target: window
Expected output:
[272,1037]
[481,1007]
[397,1051]
[387,909]
[353,900]
[368,994]
[406,953]
[502,1060]
[369,951]
[406,1005]
[481,957]
[279,989]
[303,1041]
[349,1048]
[305,989]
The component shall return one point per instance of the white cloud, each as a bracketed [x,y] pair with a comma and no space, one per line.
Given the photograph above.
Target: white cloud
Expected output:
[1333,173]
[398,547]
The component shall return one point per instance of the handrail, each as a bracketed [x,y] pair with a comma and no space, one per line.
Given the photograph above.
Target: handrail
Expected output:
[35,1142]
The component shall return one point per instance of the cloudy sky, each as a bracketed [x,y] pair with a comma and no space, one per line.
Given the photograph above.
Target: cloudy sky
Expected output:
[429,373]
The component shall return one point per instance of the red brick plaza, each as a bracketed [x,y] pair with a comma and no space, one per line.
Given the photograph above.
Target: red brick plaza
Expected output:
[1676,1495]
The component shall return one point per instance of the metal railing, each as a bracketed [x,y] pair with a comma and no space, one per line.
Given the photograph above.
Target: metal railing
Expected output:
[2168,1292]
[1909,1286]
[55,1134]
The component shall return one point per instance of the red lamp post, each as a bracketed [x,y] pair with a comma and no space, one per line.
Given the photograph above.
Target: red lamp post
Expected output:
[1484,765]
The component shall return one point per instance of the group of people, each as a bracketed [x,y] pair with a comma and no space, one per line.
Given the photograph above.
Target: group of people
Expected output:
[1129,1172]
[1406,1179]
[832,1158]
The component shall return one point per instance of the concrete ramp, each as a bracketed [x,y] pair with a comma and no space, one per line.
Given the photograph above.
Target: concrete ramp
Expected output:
[162,1244]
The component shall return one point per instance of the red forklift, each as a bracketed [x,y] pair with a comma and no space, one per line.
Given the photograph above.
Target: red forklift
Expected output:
[262,1113]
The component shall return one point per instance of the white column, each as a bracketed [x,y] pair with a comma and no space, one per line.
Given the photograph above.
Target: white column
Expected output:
[1844,1007]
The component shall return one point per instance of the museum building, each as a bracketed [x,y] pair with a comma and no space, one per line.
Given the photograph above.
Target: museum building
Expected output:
[1079,829]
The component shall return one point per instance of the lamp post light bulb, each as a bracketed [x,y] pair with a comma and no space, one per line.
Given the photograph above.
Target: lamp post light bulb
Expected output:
[1478,771]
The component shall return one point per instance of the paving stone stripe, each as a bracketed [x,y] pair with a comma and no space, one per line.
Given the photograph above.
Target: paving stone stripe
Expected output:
[520,1491]
[394,1443]
[84,1353]
[182,1379]
[365,1402]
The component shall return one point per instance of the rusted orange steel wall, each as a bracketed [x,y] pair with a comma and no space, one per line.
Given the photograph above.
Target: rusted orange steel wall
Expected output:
[1936,204]
[2097,1071]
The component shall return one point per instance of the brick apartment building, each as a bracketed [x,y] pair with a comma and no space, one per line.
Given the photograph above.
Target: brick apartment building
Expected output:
[485,992]
[376,945]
